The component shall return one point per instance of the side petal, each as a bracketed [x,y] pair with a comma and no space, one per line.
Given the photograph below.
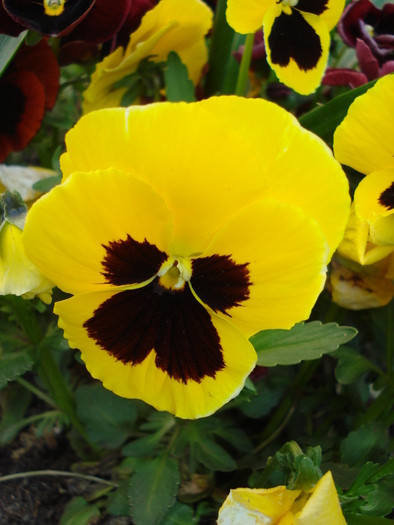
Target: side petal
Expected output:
[148,382]
[297,47]
[67,230]
[382,231]
[246,16]
[169,147]
[286,255]
[374,196]
[354,243]
[323,506]
[297,166]
[363,140]
[332,13]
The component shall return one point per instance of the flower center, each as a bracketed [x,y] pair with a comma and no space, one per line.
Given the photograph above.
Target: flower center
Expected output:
[287,5]
[54,7]
[174,273]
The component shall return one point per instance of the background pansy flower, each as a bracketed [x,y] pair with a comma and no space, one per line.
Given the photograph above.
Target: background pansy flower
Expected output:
[174,258]
[296,34]
[18,275]
[90,20]
[28,87]
[169,26]
[280,506]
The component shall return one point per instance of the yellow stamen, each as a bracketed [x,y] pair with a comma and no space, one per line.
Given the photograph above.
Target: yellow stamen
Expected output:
[54,7]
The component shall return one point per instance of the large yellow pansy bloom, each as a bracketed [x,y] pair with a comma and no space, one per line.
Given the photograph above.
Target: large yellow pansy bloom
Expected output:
[169,26]
[181,230]
[364,141]
[296,35]
[279,506]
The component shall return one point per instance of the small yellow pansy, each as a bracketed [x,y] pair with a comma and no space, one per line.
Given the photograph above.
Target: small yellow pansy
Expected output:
[169,26]
[296,35]
[279,506]
[181,230]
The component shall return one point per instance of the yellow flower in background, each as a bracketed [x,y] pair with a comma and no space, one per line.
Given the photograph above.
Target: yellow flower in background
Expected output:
[169,26]
[296,35]
[279,506]
[364,141]
[182,230]
[18,275]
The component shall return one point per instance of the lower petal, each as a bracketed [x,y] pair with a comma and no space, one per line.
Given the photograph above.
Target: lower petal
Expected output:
[148,382]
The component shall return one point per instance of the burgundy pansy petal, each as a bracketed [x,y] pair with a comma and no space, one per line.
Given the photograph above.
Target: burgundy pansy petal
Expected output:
[385,22]
[104,21]
[40,60]
[137,10]
[33,14]
[77,51]
[367,62]
[343,77]
[22,106]
[8,26]
[349,26]
[387,68]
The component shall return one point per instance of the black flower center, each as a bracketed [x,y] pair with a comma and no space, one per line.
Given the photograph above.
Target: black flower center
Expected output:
[167,321]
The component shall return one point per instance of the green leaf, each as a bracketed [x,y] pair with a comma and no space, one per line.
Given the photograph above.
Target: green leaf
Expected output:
[47,184]
[351,366]
[357,519]
[179,515]
[380,500]
[385,470]
[79,512]
[153,490]
[113,417]
[142,446]
[213,455]
[14,403]
[179,86]
[118,502]
[14,365]
[302,342]
[368,443]
[324,120]
[8,47]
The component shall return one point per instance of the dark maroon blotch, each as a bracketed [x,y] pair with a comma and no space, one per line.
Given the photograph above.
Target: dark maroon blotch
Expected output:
[386,198]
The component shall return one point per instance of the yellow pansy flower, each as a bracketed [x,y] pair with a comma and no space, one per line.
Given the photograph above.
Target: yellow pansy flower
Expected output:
[364,142]
[169,26]
[18,275]
[279,506]
[181,230]
[296,35]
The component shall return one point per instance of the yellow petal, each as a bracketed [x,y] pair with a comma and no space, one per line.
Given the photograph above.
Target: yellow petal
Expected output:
[256,506]
[18,275]
[286,255]
[147,382]
[364,138]
[323,506]
[354,243]
[303,79]
[246,16]
[332,13]
[297,166]
[88,211]
[382,231]
[186,154]
[374,196]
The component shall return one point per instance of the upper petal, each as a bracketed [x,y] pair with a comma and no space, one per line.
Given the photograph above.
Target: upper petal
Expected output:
[285,254]
[68,229]
[364,139]
[246,16]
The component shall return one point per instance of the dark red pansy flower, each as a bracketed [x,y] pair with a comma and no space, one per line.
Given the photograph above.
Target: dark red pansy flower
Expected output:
[362,20]
[137,10]
[369,69]
[27,89]
[93,21]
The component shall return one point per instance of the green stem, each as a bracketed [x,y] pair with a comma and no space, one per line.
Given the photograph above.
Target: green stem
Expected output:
[245,64]
[53,378]
[219,52]
[63,473]
[36,391]
[276,432]
[390,340]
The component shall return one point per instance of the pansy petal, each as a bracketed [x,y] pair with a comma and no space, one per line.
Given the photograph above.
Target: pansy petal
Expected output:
[354,243]
[382,231]
[364,139]
[91,211]
[246,16]
[297,166]
[374,196]
[332,12]
[148,141]
[260,505]
[144,380]
[297,45]
[285,253]
[323,506]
